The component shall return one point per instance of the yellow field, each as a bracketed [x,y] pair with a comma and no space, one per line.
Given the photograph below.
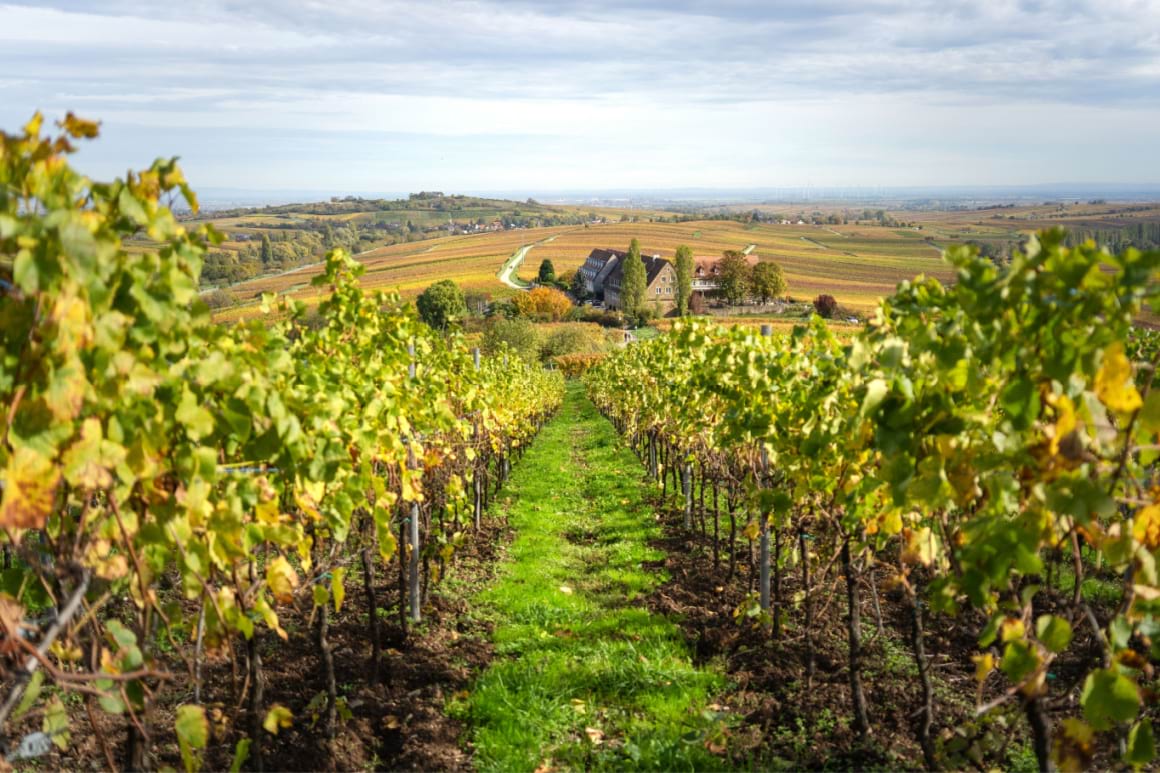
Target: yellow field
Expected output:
[857,264]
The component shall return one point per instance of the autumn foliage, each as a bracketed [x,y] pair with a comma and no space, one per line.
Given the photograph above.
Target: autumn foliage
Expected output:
[543,302]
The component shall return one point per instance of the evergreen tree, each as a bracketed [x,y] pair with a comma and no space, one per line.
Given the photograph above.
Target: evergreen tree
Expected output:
[267,250]
[684,278]
[633,281]
[547,272]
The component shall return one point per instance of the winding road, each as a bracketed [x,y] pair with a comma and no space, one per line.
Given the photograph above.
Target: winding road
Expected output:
[507,272]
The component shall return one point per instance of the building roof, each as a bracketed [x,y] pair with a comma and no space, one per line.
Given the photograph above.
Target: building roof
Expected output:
[653,266]
[709,267]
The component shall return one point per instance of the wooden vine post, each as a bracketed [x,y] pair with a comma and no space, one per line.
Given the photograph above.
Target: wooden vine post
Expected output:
[413,530]
[476,480]
[766,331]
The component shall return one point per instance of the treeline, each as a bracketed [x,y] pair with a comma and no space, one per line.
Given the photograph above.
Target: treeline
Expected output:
[1142,236]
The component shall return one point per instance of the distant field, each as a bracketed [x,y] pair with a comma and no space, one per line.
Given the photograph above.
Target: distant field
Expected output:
[857,264]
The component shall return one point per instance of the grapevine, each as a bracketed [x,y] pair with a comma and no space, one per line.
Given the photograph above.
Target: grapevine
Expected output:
[169,480]
[967,442]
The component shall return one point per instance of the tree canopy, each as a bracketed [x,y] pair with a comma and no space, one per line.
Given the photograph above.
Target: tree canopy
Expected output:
[442,304]
[684,278]
[545,302]
[547,273]
[733,278]
[634,281]
[767,282]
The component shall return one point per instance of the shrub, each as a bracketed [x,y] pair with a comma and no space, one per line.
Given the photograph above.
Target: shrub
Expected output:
[825,305]
[602,317]
[575,365]
[544,302]
[519,335]
[220,299]
[575,338]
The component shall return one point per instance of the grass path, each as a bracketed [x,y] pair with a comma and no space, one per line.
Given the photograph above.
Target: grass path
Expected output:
[585,676]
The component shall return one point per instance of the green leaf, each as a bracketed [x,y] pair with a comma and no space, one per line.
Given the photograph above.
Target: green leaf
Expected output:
[1109,697]
[31,693]
[876,392]
[1019,660]
[197,420]
[192,734]
[241,754]
[1054,632]
[1141,745]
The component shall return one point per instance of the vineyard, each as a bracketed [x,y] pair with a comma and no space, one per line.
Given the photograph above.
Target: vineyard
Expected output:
[178,496]
[340,539]
[975,468]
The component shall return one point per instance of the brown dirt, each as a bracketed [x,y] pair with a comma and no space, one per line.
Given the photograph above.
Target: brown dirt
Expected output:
[398,724]
[785,720]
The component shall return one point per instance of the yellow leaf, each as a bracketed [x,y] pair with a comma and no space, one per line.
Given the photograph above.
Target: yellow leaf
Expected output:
[282,579]
[1011,629]
[1114,384]
[984,665]
[752,530]
[892,523]
[1146,526]
[278,717]
[1065,422]
[30,482]
[1073,747]
[921,545]
[79,128]
[337,587]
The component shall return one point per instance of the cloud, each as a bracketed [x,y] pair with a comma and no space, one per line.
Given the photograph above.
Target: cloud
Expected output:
[524,80]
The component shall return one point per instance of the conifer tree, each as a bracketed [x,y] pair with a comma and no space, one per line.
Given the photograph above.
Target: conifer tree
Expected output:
[684,278]
[633,282]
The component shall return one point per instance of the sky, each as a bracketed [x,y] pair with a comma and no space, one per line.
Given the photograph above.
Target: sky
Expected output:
[521,95]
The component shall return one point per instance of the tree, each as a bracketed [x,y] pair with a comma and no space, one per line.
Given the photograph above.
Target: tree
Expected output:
[733,277]
[442,304]
[697,304]
[767,281]
[267,250]
[547,302]
[684,278]
[633,282]
[547,273]
[825,305]
[477,302]
[519,335]
[579,287]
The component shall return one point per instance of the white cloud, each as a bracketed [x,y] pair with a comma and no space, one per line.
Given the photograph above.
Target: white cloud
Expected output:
[483,93]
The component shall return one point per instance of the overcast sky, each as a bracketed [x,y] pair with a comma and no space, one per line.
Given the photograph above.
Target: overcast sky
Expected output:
[359,95]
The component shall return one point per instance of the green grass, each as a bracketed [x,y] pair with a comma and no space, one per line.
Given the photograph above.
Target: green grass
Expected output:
[585,676]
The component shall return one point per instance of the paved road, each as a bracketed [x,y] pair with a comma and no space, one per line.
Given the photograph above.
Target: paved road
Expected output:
[507,272]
